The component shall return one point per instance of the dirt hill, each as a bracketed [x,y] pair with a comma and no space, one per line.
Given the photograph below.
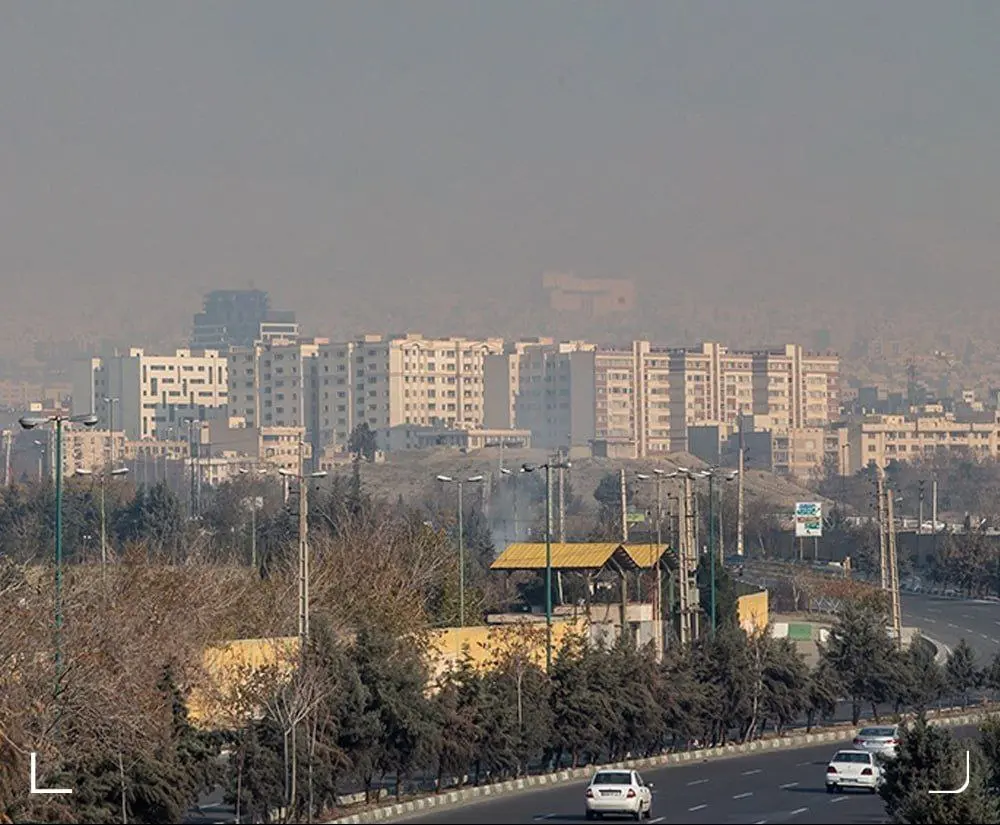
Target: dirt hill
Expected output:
[411,474]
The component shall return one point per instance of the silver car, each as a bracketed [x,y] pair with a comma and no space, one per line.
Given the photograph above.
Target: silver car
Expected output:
[882,740]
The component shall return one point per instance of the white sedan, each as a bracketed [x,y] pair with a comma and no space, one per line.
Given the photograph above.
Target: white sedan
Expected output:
[853,769]
[619,792]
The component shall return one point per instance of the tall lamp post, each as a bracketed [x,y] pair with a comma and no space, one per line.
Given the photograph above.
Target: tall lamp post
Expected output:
[31,422]
[549,466]
[460,482]
[255,502]
[303,478]
[103,478]
[110,402]
[711,475]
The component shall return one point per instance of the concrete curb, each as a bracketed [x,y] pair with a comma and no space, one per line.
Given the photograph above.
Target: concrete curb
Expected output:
[483,792]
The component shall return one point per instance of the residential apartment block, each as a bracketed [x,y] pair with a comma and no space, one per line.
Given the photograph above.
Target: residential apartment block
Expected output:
[405,379]
[645,397]
[144,395]
[329,388]
[911,437]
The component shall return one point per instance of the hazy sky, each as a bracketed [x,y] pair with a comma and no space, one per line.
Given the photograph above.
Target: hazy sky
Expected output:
[341,154]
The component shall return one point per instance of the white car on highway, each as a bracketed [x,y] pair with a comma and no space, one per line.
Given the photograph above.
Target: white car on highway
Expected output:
[853,769]
[619,792]
[882,740]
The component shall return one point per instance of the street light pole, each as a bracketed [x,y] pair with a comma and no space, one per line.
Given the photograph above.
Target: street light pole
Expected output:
[30,423]
[103,477]
[303,479]
[713,586]
[549,466]
[461,538]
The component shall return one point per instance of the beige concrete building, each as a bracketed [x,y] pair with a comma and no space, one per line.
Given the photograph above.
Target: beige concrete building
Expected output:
[405,379]
[880,439]
[643,399]
[143,394]
[270,384]
[545,387]
[805,453]
[91,450]
[417,437]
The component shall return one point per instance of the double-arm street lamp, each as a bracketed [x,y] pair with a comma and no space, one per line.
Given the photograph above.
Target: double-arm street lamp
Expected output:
[31,422]
[711,474]
[549,466]
[303,479]
[103,477]
[461,482]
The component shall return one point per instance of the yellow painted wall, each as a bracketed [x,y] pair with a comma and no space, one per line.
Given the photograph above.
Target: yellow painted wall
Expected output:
[753,611]
[223,662]
[481,642]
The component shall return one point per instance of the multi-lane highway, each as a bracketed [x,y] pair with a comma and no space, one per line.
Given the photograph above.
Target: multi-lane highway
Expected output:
[786,786]
[949,620]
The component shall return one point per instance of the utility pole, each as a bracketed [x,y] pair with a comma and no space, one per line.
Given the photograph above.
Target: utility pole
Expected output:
[624,504]
[934,518]
[303,548]
[8,438]
[691,563]
[562,497]
[882,548]
[683,599]
[739,490]
[897,622]
[920,515]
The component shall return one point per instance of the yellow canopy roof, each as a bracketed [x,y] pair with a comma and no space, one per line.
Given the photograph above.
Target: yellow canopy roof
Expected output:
[578,556]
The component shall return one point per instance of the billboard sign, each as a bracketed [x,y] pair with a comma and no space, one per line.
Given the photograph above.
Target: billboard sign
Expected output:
[808,519]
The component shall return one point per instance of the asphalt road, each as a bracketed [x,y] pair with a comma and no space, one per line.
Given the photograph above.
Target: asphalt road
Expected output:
[949,620]
[787,786]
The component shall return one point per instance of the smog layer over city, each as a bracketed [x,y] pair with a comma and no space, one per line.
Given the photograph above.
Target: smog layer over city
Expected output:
[505,412]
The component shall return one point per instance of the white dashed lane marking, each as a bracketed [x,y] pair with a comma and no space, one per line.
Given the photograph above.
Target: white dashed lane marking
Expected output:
[798,811]
[751,773]
[742,795]
[697,808]
[697,782]
[788,785]
[838,799]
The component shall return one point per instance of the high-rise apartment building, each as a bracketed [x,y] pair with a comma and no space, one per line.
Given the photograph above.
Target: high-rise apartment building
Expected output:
[647,396]
[403,379]
[240,318]
[543,386]
[273,385]
[142,394]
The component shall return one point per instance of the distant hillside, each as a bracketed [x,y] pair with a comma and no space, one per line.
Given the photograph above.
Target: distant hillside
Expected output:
[411,474]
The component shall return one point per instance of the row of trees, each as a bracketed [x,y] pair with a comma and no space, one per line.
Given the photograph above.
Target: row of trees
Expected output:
[932,758]
[365,720]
